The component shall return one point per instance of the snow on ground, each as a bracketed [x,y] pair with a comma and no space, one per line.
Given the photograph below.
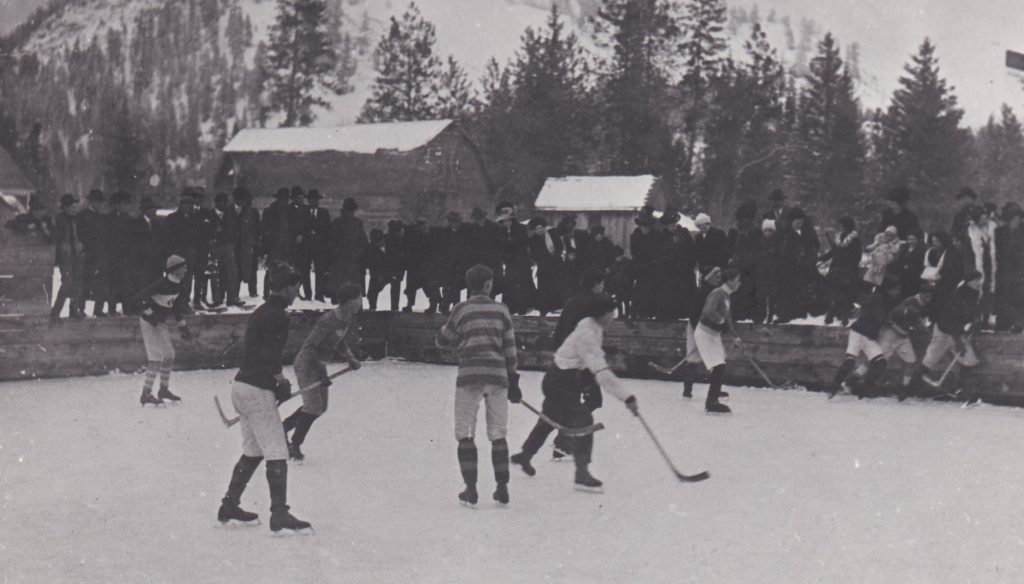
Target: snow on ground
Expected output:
[97,489]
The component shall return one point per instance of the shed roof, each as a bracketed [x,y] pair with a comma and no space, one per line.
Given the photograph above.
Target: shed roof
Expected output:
[357,138]
[12,178]
[595,193]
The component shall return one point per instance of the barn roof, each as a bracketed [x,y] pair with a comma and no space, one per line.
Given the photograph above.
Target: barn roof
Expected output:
[358,138]
[595,193]
[12,178]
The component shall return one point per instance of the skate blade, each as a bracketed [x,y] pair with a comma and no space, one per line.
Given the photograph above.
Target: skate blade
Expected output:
[500,505]
[159,405]
[467,505]
[171,402]
[591,490]
[292,532]
[718,414]
[238,524]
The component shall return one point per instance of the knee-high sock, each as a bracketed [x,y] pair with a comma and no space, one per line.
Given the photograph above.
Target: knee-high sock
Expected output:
[165,374]
[715,387]
[152,368]
[875,371]
[499,459]
[467,461]
[243,471]
[277,480]
[844,370]
[302,426]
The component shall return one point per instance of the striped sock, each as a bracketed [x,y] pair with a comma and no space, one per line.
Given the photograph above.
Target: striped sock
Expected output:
[151,370]
[499,459]
[165,376]
[467,461]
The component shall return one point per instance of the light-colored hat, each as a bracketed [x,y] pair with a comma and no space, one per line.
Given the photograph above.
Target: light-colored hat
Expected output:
[174,262]
[768,224]
[505,216]
[701,219]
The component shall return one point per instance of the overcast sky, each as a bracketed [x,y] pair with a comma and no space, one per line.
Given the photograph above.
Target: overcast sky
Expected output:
[971,38]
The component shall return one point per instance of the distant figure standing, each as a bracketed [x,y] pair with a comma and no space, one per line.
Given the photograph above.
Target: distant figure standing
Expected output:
[156,305]
[68,259]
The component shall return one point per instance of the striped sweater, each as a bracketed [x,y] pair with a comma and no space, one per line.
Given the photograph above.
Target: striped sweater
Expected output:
[480,332]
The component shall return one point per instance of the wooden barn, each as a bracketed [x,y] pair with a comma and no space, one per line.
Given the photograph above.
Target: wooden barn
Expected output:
[611,201]
[406,170]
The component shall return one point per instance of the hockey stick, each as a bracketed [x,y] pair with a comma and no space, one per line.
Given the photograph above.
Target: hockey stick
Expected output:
[696,478]
[563,429]
[668,371]
[764,376]
[956,359]
[232,421]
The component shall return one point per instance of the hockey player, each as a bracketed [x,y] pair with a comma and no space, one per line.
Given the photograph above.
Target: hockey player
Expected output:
[863,338]
[953,326]
[258,388]
[572,390]
[156,304]
[311,363]
[480,332]
[715,319]
[894,337]
[711,282]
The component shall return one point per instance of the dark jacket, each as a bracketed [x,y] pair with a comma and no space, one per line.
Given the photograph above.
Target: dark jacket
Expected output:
[712,250]
[959,311]
[874,313]
[318,241]
[67,238]
[180,234]
[904,220]
[274,233]
[156,302]
[265,337]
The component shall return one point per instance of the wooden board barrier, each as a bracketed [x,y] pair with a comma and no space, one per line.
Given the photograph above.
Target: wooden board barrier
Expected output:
[32,347]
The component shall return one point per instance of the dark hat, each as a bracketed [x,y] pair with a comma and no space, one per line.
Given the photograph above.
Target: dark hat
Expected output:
[198,193]
[536,221]
[971,275]
[477,214]
[241,194]
[314,195]
[120,197]
[1011,210]
[670,217]
[147,203]
[282,193]
[376,235]
[991,207]
[95,195]
[597,229]
[280,275]
[796,213]
[188,193]
[349,204]
[899,194]
[503,205]
[746,210]
[419,225]
[453,217]
[847,223]
[67,200]
[220,197]
[297,191]
[777,195]
[926,286]
[395,225]
[644,220]
[967,193]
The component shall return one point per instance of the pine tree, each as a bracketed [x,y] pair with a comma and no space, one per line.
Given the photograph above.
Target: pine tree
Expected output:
[408,72]
[300,60]
[998,164]
[455,94]
[922,143]
[125,149]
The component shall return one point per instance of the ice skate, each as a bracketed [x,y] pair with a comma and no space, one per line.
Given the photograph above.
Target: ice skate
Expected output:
[524,463]
[586,482]
[295,453]
[230,514]
[147,397]
[165,395]
[284,523]
[469,497]
[501,494]
[716,408]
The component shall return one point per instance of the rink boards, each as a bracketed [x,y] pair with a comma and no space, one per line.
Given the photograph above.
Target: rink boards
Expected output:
[30,347]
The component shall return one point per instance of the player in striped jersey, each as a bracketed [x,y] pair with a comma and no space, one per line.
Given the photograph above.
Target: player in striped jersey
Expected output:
[480,333]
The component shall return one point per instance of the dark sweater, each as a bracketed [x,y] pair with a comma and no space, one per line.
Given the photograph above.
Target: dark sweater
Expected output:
[873,314]
[156,301]
[959,311]
[265,336]
[573,312]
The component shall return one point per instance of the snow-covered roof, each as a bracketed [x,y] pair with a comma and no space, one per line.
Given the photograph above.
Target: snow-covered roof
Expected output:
[358,138]
[13,202]
[595,193]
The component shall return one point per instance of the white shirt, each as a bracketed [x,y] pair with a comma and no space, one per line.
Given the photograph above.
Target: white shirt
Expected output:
[582,350]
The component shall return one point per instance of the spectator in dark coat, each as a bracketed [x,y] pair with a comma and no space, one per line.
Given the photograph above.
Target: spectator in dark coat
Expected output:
[225,238]
[710,244]
[898,215]
[967,199]
[274,230]
[394,260]
[95,257]
[247,248]
[515,280]
[416,252]
[797,267]
[574,244]
[317,247]
[546,250]
[1010,273]
[375,263]
[68,259]
[676,278]
[147,258]
[180,233]
[118,240]
[766,273]
[743,241]
[452,244]
[600,252]
[778,211]
[484,241]
[299,226]
[911,264]
[619,284]
[348,239]
[205,269]
[646,249]
[843,276]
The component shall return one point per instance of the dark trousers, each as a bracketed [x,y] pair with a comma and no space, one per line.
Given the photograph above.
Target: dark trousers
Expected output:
[570,396]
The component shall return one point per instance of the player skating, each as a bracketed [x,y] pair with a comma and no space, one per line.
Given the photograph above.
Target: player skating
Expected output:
[572,390]
[715,319]
[311,363]
[258,388]
[157,308]
[953,328]
[709,283]
[480,332]
[864,338]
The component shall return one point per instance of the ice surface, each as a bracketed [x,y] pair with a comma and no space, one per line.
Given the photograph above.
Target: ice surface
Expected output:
[96,489]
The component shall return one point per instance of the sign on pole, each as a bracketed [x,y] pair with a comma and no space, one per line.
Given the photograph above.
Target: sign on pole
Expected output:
[1015,60]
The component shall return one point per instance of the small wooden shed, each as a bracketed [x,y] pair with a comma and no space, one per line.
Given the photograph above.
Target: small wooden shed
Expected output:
[611,201]
[393,170]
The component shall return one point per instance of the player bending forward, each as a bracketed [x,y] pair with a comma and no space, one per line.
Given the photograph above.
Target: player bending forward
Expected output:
[480,331]
[258,388]
[715,319]
[953,328]
[156,306]
[311,363]
[864,338]
[572,390]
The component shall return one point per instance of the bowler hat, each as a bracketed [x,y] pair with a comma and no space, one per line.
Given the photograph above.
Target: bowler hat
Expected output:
[453,217]
[241,194]
[477,214]
[147,203]
[95,195]
[899,194]
[282,193]
[644,220]
[314,195]
[349,204]
[777,195]
[120,197]
[297,191]
[967,193]
[67,200]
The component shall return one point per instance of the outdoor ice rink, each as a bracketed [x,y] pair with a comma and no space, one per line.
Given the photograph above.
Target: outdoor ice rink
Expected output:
[96,489]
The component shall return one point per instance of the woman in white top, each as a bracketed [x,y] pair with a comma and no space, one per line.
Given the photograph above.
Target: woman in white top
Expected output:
[572,390]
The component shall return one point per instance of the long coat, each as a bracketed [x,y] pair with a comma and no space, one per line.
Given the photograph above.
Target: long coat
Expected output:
[348,240]
[275,232]
[248,242]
